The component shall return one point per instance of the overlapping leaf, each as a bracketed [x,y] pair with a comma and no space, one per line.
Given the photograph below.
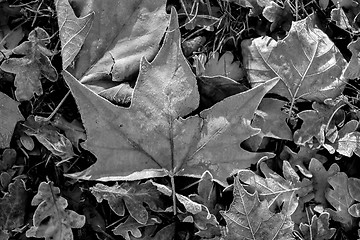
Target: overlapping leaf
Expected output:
[122,32]
[132,195]
[151,138]
[10,115]
[250,218]
[34,65]
[52,208]
[339,197]
[13,206]
[278,191]
[307,62]
[318,229]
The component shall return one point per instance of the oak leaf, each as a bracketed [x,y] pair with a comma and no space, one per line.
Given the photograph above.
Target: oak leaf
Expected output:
[152,138]
[129,194]
[318,229]
[52,207]
[306,60]
[34,65]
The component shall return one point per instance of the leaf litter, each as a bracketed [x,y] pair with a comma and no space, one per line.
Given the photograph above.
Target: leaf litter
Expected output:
[294,151]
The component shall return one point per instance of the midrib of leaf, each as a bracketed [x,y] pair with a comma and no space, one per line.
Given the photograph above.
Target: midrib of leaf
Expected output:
[247,215]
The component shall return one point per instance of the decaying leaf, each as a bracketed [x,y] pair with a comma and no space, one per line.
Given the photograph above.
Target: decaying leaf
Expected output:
[279,16]
[152,138]
[129,194]
[306,60]
[318,229]
[52,208]
[72,31]
[250,218]
[13,206]
[122,32]
[339,197]
[34,65]
[280,193]
[10,115]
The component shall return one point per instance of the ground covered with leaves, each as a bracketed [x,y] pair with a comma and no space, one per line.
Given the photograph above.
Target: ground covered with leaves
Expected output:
[179,119]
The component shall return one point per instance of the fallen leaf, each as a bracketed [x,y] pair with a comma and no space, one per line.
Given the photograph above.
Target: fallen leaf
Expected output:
[224,66]
[318,229]
[165,233]
[122,32]
[214,89]
[13,206]
[248,218]
[34,65]
[280,193]
[316,123]
[52,208]
[10,115]
[348,141]
[131,226]
[72,31]
[7,159]
[132,195]
[352,69]
[166,91]
[279,16]
[320,179]
[339,197]
[312,71]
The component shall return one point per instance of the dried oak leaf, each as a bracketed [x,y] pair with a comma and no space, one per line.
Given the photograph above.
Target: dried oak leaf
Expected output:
[121,33]
[339,197]
[152,138]
[320,179]
[52,208]
[132,226]
[34,65]
[250,218]
[13,206]
[318,228]
[280,192]
[10,115]
[132,195]
[306,60]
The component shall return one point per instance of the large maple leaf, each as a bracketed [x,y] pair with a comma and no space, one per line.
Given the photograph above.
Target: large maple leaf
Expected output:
[306,60]
[152,138]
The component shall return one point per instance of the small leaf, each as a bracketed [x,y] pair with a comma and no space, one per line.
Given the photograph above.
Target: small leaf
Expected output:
[320,179]
[129,194]
[13,206]
[10,115]
[248,218]
[318,228]
[132,226]
[52,208]
[312,71]
[34,65]
[224,66]
[352,69]
[339,197]
[316,123]
[279,16]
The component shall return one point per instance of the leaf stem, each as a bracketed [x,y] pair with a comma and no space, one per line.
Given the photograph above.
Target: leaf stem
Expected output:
[37,118]
[173,193]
